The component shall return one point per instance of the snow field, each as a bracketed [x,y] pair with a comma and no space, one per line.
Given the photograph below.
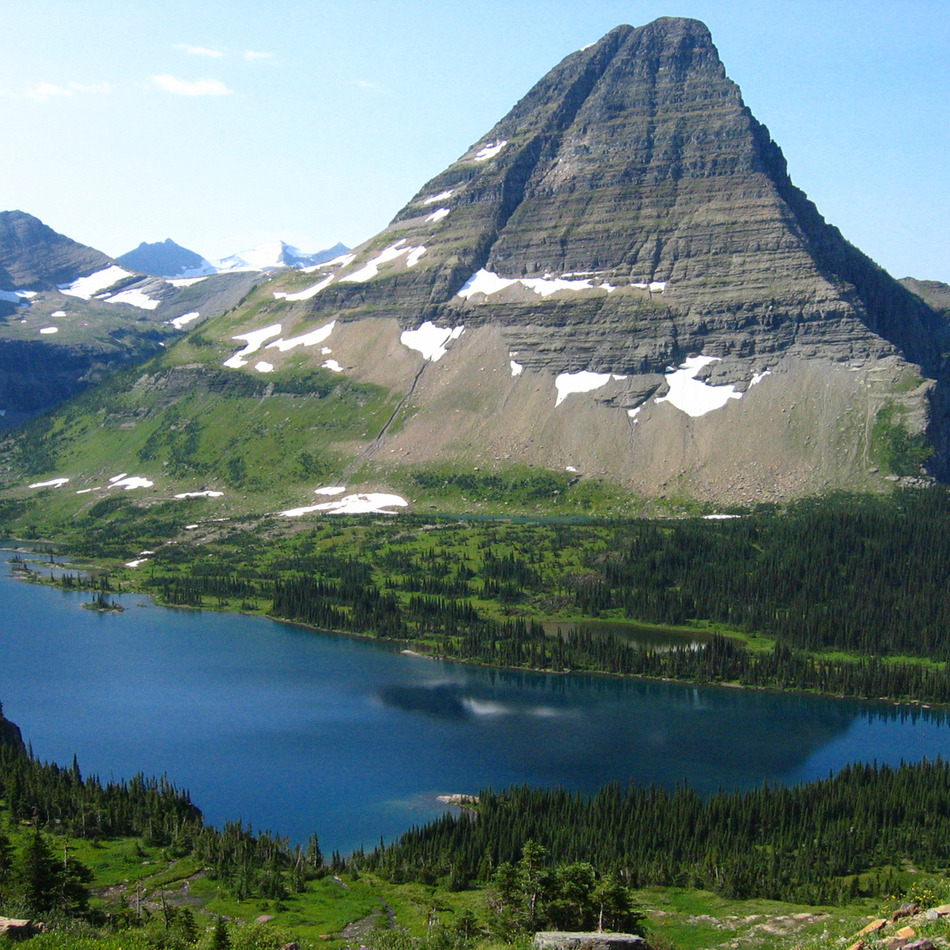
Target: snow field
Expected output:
[180,322]
[254,339]
[441,196]
[359,504]
[490,150]
[429,340]
[582,382]
[308,293]
[693,396]
[134,298]
[87,287]
[369,270]
[486,282]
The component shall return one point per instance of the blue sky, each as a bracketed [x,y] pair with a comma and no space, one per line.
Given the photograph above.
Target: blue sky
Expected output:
[224,125]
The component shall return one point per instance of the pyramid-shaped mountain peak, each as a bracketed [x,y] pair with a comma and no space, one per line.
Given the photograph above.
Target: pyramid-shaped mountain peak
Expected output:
[635,164]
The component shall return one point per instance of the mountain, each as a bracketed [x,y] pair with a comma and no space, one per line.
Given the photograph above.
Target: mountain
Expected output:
[71,315]
[166,259]
[277,254]
[617,290]
[34,257]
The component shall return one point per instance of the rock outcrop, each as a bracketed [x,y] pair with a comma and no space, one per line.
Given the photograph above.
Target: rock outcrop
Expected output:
[595,940]
[10,734]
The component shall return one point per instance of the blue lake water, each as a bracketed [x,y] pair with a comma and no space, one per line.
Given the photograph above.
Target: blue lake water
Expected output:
[300,732]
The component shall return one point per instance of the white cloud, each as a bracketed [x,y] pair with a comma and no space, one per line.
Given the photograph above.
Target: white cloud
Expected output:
[44,91]
[252,55]
[199,50]
[185,87]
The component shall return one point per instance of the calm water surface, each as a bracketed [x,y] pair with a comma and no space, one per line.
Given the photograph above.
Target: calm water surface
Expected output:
[297,731]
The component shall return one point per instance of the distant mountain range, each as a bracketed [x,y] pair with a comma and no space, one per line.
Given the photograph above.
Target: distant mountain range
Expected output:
[168,259]
[616,294]
[70,315]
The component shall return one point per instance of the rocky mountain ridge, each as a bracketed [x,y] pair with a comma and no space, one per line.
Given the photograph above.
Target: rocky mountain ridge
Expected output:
[619,280]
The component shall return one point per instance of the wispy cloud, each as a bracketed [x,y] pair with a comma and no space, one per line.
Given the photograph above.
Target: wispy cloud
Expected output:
[44,91]
[199,50]
[251,55]
[185,87]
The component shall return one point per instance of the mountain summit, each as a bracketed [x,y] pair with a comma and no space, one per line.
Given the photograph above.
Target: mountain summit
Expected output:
[635,164]
[618,280]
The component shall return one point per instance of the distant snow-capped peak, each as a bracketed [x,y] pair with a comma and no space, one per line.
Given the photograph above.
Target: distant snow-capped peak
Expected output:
[274,254]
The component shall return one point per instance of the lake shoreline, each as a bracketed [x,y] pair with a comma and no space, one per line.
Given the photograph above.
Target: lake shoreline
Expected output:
[414,650]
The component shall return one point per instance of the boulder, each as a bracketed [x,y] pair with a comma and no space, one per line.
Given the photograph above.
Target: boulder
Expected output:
[14,928]
[564,940]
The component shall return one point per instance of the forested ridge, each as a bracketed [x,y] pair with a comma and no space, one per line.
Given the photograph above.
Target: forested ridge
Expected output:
[823,842]
[60,800]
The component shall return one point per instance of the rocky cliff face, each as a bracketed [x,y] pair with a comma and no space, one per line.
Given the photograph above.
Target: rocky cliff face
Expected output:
[635,165]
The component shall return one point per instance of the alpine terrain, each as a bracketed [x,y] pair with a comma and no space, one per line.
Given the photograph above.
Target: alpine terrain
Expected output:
[617,284]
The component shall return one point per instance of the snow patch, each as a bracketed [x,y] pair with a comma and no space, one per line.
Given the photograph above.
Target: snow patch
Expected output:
[263,367]
[134,298]
[693,396]
[655,286]
[179,322]
[48,330]
[331,490]
[306,339]
[490,150]
[485,282]
[633,413]
[441,196]
[52,483]
[758,377]
[308,293]
[372,503]
[437,216]
[58,313]
[200,494]
[582,382]
[184,281]
[88,287]
[429,340]
[719,517]
[255,340]
[516,368]
[130,482]
[414,254]
[137,562]
[333,366]
[371,269]
[340,261]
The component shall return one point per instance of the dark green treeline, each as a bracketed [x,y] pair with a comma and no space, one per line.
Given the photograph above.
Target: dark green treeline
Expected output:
[817,843]
[866,576]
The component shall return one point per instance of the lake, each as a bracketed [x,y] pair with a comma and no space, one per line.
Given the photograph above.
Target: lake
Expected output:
[297,732]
